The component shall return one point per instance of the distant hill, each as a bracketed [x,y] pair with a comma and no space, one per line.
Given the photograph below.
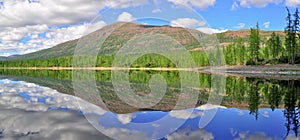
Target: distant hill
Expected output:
[120,36]
[2,58]
[230,36]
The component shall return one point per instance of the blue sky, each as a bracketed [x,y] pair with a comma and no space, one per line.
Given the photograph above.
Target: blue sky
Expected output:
[222,16]
[42,24]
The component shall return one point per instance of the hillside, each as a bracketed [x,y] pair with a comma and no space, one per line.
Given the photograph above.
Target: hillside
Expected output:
[120,36]
[117,39]
[230,36]
[202,47]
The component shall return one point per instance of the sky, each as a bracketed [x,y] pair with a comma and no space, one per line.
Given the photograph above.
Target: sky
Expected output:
[31,25]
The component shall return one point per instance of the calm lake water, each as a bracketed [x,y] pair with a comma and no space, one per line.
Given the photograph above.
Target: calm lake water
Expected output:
[42,105]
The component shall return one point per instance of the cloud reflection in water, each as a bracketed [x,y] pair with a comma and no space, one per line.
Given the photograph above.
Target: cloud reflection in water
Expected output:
[35,112]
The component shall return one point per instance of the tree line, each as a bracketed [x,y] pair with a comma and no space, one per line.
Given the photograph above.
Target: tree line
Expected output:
[273,51]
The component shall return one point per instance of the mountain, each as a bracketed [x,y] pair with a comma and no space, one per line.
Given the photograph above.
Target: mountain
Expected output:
[117,39]
[128,30]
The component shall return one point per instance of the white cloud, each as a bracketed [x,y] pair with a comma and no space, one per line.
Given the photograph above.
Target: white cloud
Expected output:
[195,24]
[292,137]
[201,4]
[240,25]
[211,30]
[14,35]
[157,10]
[254,136]
[240,112]
[187,23]
[24,18]
[126,17]
[10,98]
[266,114]
[6,54]
[267,24]
[124,3]
[125,118]
[48,125]
[235,6]
[56,12]
[199,134]
[184,114]
[292,3]
[210,107]
[21,115]
[11,36]
[255,3]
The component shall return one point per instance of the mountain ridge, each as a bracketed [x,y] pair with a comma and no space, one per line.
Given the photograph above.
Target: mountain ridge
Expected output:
[128,30]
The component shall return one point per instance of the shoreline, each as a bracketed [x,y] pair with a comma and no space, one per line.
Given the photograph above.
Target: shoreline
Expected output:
[99,68]
[282,69]
[268,69]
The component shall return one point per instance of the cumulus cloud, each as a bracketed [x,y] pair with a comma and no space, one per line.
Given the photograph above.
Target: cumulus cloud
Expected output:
[199,134]
[32,97]
[56,12]
[125,118]
[125,134]
[254,136]
[185,114]
[211,30]
[16,34]
[187,23]
[195,24]
[157,10]
[210,107]
[292,3]
[126,17]
[26,113]
[292,137]
[255,3]
[29,111]
[11,37]
[201,4]
[34,17]
[267,24]
[20,124]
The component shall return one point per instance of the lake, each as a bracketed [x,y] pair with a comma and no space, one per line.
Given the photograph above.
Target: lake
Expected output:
[44,104]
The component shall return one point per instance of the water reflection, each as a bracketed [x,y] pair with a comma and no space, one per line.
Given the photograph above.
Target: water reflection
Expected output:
[291,112]
[29,111]
[253,108]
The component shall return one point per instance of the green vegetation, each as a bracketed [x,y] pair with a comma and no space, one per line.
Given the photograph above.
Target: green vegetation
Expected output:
[235,54]
[149,60]
[254,44]
[271,51]
[274,49]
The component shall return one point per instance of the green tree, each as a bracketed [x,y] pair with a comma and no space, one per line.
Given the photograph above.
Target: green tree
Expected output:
[240,53]
[254,44]
[291,35]
[274,46]
[254,98]
[296,32]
